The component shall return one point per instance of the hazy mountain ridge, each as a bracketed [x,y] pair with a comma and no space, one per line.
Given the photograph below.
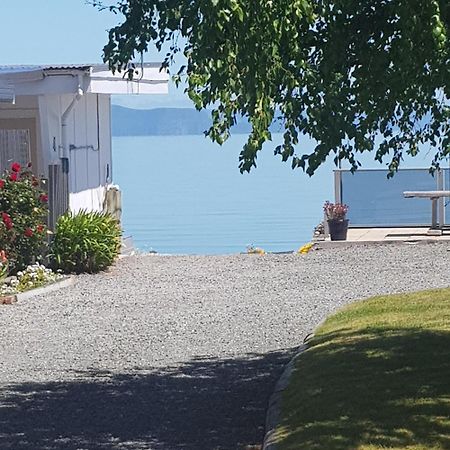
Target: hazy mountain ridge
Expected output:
[164,122]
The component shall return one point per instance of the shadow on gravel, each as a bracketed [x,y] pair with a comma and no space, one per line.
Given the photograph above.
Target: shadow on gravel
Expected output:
[203,404]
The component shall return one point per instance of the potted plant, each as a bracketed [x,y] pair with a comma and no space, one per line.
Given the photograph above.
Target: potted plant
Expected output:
[335,214]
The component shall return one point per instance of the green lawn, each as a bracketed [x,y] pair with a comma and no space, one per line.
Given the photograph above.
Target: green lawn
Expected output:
[376,376]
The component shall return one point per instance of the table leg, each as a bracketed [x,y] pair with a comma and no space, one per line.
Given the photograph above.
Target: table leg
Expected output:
[435,230]
[434,222]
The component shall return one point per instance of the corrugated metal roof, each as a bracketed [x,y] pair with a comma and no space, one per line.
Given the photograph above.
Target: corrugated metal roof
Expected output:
[69,66]
[32,68]
[18,69]
[26,79]
[97,67]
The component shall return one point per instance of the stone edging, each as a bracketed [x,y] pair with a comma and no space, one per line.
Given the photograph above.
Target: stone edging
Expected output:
[274,409]
[10,299]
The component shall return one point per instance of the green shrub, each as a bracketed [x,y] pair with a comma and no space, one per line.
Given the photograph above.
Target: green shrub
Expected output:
[23,216]
[85,242]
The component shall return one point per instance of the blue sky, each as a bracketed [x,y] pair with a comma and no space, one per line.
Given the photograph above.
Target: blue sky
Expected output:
[64,32]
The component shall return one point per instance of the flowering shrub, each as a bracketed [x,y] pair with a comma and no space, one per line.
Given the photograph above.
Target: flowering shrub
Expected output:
[33,276]
[335,211]
[3,265]
[23,215]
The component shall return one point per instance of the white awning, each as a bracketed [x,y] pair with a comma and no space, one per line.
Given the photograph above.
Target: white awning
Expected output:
[147,79]
[96,78]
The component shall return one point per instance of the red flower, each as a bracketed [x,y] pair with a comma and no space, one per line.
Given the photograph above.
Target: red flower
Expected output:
[43,198]
[15,167]
[2,184]
[28,232]
[40,228]
[13,176]
[7,220]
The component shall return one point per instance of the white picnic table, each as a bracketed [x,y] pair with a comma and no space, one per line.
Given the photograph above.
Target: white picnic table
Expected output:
[434,196]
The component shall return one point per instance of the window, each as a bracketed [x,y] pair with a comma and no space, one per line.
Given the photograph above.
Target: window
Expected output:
[14,147]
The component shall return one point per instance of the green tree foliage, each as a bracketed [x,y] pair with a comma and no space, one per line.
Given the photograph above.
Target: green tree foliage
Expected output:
[355,75]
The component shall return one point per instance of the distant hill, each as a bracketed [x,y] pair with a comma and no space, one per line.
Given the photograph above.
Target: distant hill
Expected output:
[164,122]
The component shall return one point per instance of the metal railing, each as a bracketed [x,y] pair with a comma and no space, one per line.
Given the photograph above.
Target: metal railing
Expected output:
[376,201]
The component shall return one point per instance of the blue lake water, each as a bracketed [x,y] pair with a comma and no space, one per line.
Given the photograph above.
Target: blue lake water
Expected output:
[184,194]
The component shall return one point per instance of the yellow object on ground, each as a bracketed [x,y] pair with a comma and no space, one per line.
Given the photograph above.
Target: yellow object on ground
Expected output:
[255,251]
[305,248]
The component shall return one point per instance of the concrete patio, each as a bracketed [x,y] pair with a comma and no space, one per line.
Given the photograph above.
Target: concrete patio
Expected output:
[388,235]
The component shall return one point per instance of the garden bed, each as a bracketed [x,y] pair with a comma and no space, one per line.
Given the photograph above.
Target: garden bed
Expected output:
[88,241]
[34,280]
[62,282]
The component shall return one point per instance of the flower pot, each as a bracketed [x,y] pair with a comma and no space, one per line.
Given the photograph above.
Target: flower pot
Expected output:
[338,229]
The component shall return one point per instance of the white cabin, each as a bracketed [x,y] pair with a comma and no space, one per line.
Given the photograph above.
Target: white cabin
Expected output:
[59,118]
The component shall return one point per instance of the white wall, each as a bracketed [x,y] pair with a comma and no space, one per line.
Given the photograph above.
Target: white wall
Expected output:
[89,129]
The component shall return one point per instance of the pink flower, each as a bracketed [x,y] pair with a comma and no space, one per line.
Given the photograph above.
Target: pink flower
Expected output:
[28,232]
[335,211]
[43,198]
[2,184]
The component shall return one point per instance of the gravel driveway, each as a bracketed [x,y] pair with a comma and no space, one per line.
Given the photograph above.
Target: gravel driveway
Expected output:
[179,352]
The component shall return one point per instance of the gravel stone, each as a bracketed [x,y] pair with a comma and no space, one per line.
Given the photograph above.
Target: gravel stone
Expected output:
[180,352]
